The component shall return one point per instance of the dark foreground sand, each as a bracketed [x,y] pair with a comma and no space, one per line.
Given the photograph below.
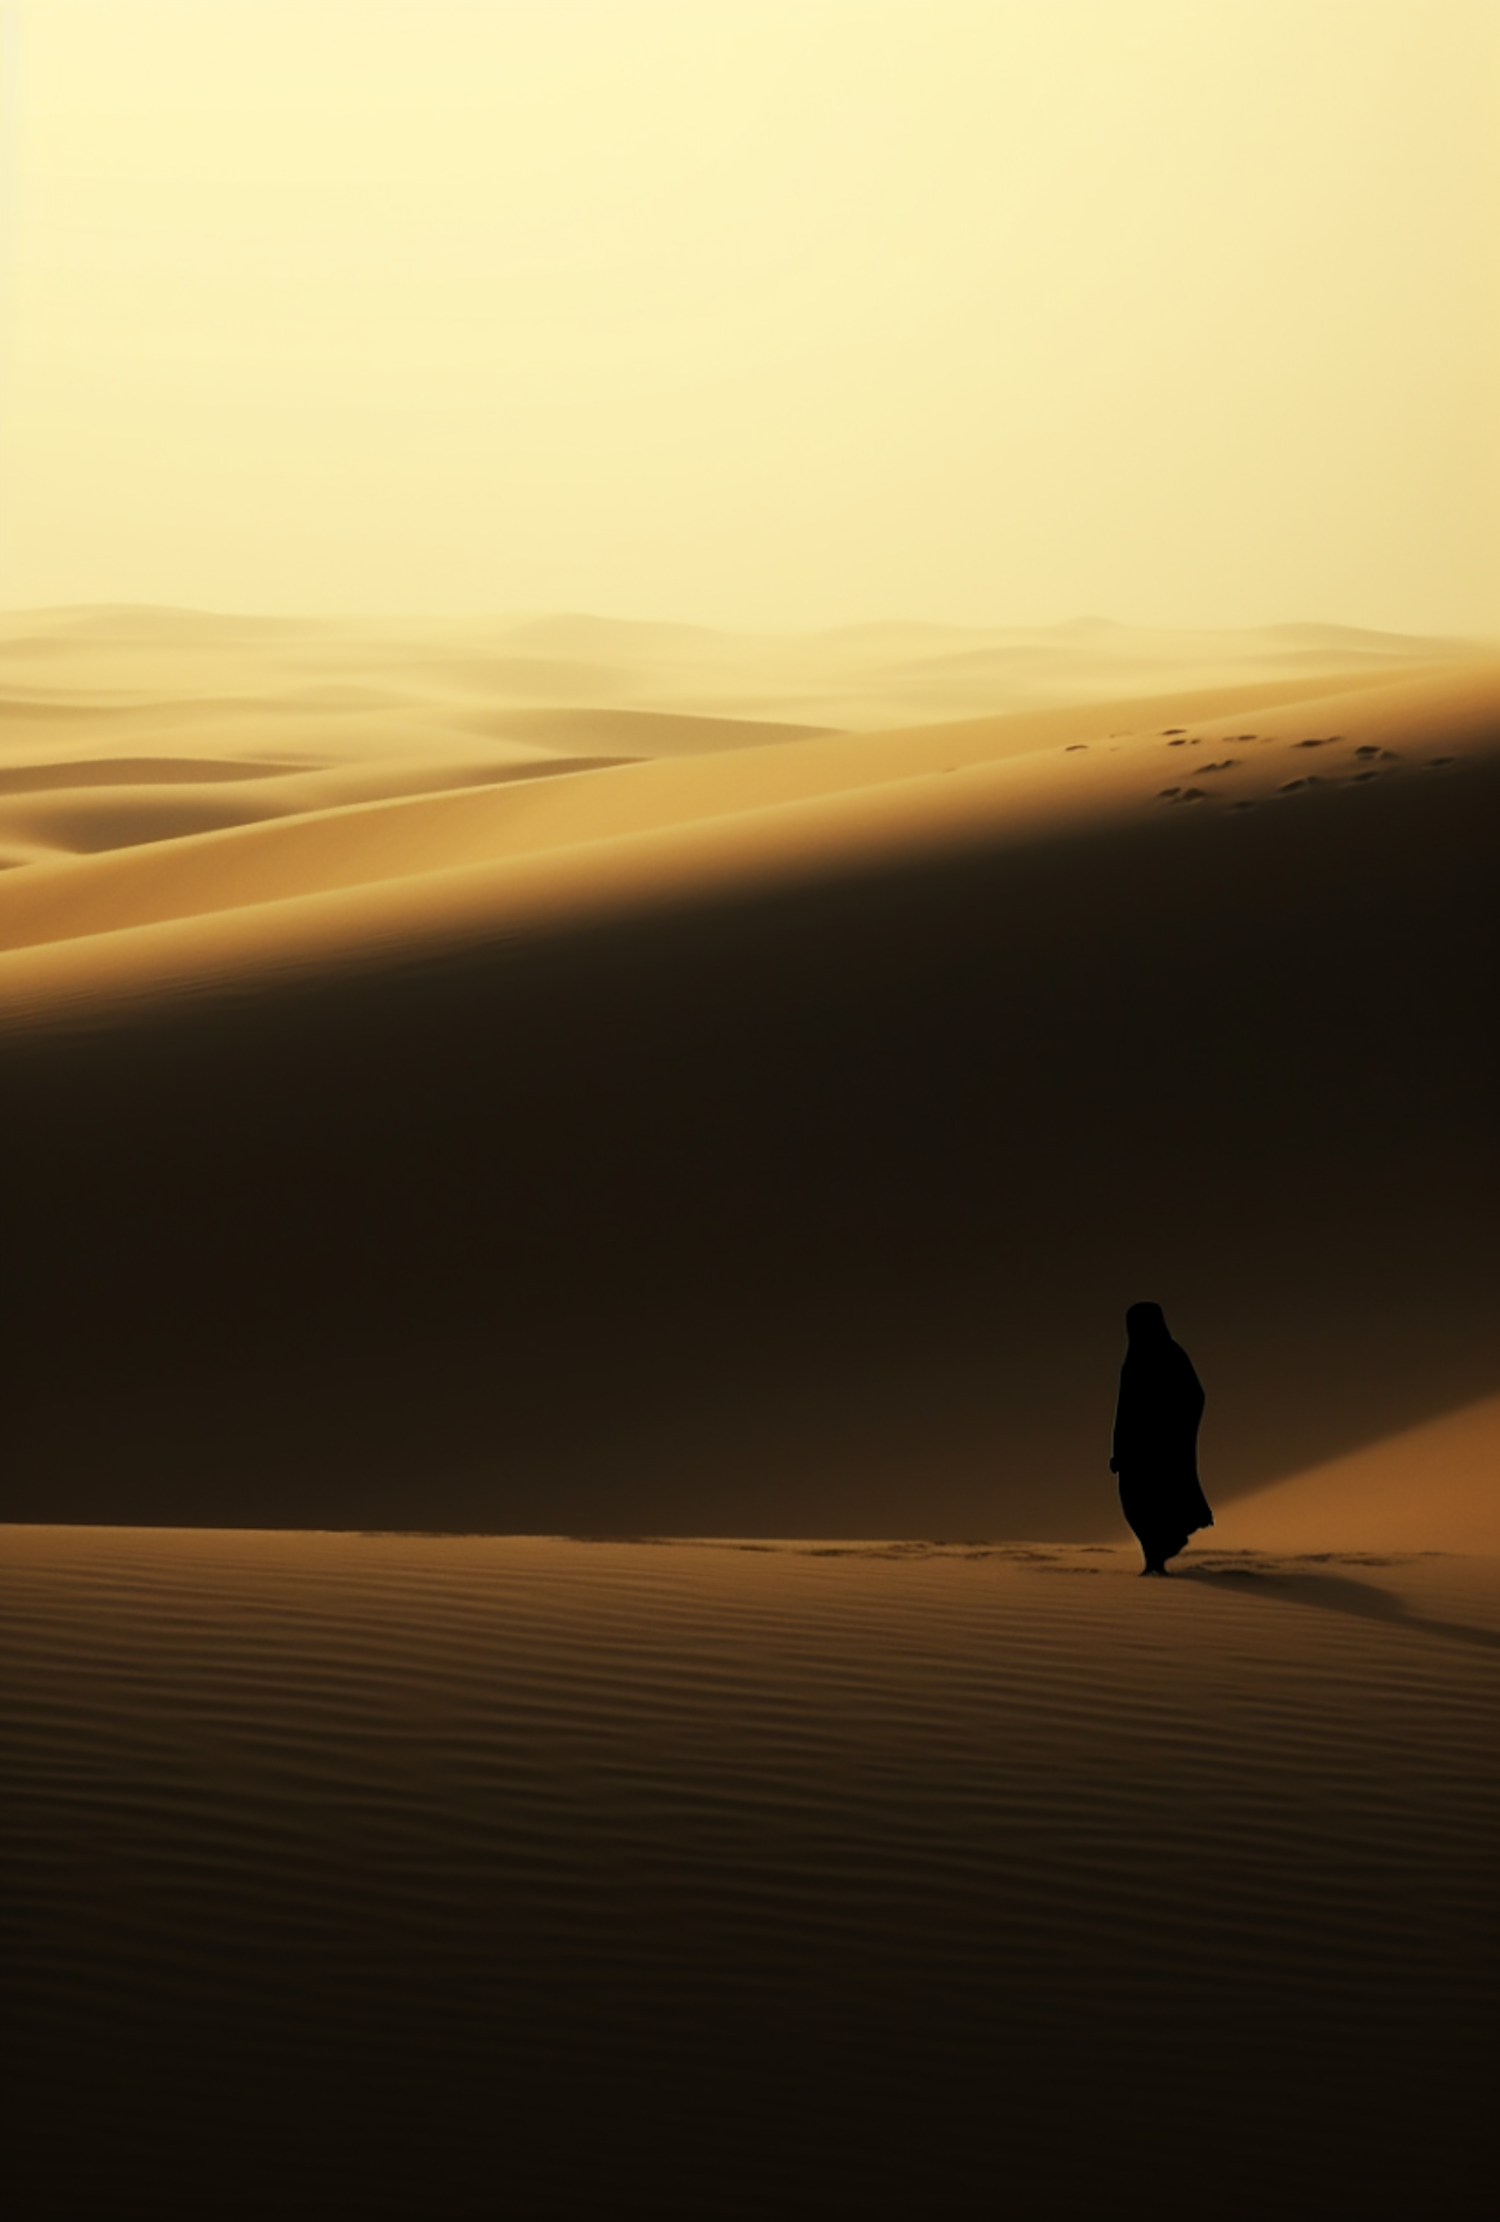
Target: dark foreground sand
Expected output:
[351,1874]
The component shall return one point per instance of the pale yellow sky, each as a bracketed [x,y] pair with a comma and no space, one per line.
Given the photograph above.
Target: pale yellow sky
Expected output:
[755,312]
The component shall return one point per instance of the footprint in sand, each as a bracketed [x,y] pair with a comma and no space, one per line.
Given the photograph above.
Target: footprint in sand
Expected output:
[1073,747]
[1227,765]
[1435,763]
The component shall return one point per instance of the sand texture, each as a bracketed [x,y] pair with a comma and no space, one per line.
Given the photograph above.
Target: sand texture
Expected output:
[1435,1487]
[417,1876]
[424,1116]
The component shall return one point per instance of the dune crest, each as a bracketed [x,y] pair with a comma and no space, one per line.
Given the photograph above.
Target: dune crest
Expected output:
[638,829]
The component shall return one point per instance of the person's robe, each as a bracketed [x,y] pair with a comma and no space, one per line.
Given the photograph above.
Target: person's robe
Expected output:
[1155,1447]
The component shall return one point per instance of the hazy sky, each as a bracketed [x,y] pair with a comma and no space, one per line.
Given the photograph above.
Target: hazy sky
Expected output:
[761,312]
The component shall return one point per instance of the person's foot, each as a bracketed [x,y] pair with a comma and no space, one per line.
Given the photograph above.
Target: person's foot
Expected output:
[1154,1570]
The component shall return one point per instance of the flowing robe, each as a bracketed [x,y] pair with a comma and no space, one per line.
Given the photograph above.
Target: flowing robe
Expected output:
[1156,1447]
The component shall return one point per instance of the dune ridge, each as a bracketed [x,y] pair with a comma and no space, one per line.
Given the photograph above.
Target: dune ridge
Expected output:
[1014,783]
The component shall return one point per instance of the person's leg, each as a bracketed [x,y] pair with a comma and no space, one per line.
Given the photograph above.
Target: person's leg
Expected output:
[1135,1504]
[1158,1544]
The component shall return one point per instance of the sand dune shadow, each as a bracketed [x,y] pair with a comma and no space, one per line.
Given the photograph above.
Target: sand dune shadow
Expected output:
[1334,1593]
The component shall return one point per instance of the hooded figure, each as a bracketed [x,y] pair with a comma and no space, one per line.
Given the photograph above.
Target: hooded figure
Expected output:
[1155,1450]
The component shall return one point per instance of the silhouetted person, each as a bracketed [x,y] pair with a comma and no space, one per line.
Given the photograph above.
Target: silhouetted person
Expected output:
[1155,1450]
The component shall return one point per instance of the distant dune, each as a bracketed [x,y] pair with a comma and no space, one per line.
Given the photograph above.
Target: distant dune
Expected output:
[448,1106]
[152,662]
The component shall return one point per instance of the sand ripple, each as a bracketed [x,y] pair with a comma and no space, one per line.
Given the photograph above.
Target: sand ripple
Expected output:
[425,1875]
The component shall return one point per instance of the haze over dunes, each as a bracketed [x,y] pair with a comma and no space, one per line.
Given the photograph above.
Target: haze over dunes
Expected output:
[557,1115]
[328,688]
[779,313]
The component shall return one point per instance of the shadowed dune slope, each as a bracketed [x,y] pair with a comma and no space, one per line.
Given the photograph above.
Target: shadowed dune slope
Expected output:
[460,1876]
[766,1142]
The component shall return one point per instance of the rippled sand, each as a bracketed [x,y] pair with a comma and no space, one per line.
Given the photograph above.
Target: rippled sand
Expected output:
[411,1875]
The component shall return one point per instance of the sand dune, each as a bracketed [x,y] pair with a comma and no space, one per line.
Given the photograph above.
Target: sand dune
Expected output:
[383,1874]
[734,797]
[1432,1488]
[746,1140]
[130,771]
[340,714]
[866,676]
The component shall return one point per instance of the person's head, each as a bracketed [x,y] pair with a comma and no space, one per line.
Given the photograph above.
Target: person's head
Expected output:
[1146,1323]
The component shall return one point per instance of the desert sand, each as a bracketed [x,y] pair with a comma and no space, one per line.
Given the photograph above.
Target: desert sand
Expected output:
[419,1876]
[568,1641]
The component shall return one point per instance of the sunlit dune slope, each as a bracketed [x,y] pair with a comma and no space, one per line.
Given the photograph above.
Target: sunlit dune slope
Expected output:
[762,1140]
[1431,1488]
[738,814]
[55,805]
